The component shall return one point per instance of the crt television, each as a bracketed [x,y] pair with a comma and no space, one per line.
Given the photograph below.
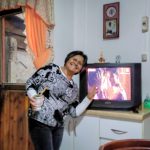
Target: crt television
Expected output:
[118,85]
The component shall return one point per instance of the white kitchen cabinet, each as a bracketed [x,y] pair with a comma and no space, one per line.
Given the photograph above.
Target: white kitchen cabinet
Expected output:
[67,142]
[82,134]
[118,129]
[114,129]
[89,132]
[87,136]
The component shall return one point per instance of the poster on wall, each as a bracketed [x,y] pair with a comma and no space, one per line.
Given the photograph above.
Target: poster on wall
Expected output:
[111,20]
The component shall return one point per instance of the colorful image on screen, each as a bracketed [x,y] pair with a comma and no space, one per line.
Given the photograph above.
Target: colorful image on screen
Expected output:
[112,83]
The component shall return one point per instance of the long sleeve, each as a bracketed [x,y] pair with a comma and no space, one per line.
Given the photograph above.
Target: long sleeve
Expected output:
[82,106]
[35,81]
[77,110]
[31,93]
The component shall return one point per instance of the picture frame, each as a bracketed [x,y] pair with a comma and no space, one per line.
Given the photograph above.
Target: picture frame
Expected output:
[111,20]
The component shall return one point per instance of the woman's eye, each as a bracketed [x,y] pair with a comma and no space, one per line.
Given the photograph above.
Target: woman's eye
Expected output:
[74,60]
[78,62]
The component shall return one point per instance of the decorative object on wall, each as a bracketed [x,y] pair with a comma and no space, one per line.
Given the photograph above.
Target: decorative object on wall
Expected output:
[111,20]
[145,24]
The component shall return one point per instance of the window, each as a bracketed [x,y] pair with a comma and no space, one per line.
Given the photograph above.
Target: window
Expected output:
[16,64]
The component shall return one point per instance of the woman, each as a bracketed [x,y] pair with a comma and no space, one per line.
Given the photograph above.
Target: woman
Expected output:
[60,99]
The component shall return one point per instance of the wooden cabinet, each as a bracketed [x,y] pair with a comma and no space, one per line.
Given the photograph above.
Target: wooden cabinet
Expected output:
[14,133]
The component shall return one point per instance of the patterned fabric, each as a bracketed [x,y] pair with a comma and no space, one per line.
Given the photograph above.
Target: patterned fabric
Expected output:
[44,8]
[61,98]
[9,4]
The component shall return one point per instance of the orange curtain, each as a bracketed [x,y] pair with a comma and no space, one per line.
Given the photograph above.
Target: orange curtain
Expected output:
[39,20]
[36,30]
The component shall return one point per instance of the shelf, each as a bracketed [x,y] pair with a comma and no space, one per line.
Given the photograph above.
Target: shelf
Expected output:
[123,115]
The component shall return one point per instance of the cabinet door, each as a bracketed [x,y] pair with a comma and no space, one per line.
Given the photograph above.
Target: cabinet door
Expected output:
[86,133]
[119,129]
[14,133]
[67,142]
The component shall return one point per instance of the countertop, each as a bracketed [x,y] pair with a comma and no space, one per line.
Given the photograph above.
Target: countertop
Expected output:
[121,115]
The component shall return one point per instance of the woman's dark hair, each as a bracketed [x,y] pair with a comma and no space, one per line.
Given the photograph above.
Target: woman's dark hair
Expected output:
[74,53]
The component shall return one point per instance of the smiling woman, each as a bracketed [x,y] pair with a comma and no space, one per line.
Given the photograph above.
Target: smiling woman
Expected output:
[60,100]
[73,66]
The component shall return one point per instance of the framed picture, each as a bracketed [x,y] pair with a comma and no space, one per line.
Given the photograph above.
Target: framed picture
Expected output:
[111,20]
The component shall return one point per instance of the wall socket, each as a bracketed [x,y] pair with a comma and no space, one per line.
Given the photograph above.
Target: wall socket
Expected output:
[145,21]
[144,57]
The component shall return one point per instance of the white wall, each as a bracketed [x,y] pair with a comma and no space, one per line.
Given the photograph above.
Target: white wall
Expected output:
[63,31]
[79,25]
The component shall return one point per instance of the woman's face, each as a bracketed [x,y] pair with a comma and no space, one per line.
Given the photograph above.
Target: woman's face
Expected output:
[75,64]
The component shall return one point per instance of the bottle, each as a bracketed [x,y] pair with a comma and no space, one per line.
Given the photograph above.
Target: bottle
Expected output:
[147,102]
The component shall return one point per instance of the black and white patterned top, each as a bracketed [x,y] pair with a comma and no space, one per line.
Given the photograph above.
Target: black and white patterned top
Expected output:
[61,98]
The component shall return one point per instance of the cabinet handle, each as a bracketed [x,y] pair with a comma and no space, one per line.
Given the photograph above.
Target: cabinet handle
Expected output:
[118,131]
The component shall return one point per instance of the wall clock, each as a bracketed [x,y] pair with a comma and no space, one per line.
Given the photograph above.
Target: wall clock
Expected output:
[111,11]
[111,20]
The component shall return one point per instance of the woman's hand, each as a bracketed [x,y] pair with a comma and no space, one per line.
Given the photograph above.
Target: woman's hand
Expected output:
[36,101]
[91,92]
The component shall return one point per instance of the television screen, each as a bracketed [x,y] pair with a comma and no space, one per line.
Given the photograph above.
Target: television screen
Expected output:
[111,83]
[118,85]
